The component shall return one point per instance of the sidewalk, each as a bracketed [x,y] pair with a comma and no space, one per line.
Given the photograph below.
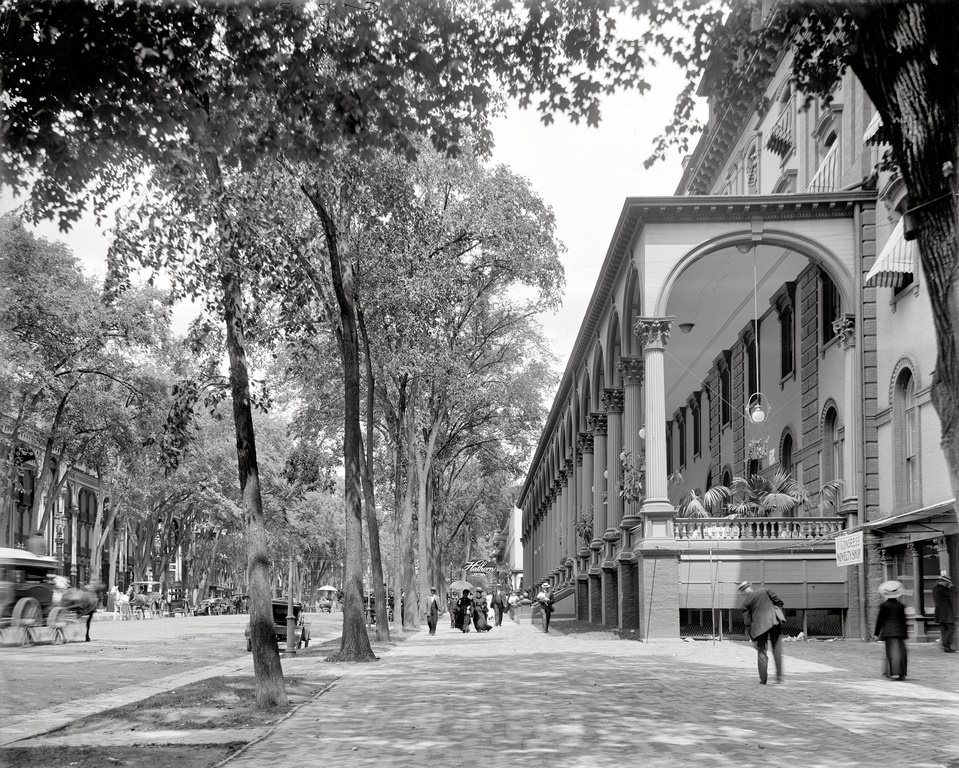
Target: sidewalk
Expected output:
[515,696]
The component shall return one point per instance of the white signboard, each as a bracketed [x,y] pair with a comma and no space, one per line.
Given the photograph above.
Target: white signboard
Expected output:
[849,549]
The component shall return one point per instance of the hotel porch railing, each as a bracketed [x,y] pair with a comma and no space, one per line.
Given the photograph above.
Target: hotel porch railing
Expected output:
[756,528]
[828,176]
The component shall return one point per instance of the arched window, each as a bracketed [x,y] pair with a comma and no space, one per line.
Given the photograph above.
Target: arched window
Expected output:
[787,336]
[727,478]
[828,306]
[681,424]
[831,461]
[906,439]
[697,426]
[669,447]
[786,454]
[725,395]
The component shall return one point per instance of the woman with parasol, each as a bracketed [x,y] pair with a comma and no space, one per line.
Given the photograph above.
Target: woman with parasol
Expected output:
[891,627]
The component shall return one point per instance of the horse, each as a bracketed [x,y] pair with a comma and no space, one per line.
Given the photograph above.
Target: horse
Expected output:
[83,601]
[143,603]
[121,604]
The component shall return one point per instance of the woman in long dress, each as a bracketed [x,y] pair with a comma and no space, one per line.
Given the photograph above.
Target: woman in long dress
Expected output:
[479,612]
[892,628]
[464,609]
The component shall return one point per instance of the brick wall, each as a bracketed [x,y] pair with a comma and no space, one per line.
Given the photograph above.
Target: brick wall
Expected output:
[629,584]
[582,599]
[870,371]
[659,588]
[595,600]
[610,597]
[809,369]
[714,417]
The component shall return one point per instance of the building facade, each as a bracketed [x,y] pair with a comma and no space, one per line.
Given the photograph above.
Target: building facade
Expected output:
[768,318]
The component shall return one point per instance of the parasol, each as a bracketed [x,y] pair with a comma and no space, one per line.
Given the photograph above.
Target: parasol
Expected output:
[327,588]
[457,587]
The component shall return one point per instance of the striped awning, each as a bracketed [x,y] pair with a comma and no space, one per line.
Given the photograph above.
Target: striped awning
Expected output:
[896,261]
[874,133]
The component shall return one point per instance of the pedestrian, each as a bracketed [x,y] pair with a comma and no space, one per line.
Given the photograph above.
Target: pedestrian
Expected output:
[545,599]
[944,598]
[513,602]
[892,628]
[432,610]
[464,610]
[451,607]
[479,611]
[499,604]
[763,619]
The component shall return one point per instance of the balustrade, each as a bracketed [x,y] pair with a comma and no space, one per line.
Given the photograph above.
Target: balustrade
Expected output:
[756,528]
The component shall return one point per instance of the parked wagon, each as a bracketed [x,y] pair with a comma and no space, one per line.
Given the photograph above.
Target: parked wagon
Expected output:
[301,630]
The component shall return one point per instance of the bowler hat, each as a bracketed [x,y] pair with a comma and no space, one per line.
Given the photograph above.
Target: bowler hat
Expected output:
[743,586]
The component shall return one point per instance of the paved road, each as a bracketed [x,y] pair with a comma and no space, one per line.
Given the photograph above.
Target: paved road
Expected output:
[591,700]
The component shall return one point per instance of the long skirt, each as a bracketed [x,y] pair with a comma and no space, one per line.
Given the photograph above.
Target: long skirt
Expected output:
[462,620]
[479,620]
[894,664]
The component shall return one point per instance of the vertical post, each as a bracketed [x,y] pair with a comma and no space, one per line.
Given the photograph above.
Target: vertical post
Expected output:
[631,371]
[290,618]
[656,510]
[913,551]
[613,402]
[597,422]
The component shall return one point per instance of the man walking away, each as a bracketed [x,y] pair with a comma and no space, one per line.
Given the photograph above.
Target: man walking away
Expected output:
[944,599]
[499,604]
[432,610]
[763,627]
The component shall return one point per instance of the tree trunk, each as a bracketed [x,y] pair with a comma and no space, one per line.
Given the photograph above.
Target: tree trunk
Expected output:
[907,60]
[369,498]
[425,526]
[355,643]
[44,477]
[270,688]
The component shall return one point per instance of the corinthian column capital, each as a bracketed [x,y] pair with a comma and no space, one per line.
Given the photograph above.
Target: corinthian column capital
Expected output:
[598,423]
[844,327]
[613,400]
[653,332]
[631,370]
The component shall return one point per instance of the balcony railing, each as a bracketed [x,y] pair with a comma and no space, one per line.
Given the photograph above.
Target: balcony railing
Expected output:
[782,136]
[756,528]
[828,175]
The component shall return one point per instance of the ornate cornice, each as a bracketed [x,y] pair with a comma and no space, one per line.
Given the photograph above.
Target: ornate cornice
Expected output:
[653,332]
[613,400]
[631,370]
[598,423]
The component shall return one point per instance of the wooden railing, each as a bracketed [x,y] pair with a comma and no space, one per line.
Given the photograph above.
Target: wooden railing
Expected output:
[829,173]
[756,528]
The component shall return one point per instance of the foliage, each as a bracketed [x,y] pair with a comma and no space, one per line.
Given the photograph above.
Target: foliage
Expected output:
[713,503]
[584,526]
[633,478]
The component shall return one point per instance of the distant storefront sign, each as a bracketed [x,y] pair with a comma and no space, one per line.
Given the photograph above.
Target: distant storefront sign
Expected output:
[474,566]
[849,549]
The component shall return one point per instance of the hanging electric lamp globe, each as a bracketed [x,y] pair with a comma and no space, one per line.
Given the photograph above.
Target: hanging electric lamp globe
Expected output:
[757,406]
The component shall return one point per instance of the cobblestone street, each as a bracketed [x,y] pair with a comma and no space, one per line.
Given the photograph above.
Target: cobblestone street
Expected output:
[517,697]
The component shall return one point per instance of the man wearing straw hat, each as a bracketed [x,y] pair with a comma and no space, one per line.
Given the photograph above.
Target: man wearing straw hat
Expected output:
[892,629]
[944,599]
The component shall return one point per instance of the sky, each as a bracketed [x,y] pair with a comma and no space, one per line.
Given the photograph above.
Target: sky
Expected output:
[583,173]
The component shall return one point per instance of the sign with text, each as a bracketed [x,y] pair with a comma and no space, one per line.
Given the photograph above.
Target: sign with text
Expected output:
[474,566]
[849,549]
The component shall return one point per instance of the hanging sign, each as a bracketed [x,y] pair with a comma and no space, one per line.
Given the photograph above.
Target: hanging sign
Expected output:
[485,566]
[849,549]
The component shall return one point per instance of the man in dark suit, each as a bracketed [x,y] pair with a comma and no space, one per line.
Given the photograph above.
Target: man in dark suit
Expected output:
[432,610]
[945,612]
[499,604]
[763,627]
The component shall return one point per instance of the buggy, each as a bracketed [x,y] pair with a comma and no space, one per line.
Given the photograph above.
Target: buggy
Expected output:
[301,631]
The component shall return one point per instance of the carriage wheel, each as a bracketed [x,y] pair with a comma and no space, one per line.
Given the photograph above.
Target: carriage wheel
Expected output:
[27,616]
[58,621]
[58,637]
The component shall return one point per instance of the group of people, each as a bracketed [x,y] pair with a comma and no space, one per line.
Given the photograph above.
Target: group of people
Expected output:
[472,607]
[763,618]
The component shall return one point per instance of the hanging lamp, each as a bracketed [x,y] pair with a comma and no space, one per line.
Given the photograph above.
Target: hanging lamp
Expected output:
[757,406]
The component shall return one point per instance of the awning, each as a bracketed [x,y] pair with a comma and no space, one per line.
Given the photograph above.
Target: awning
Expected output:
[874,133]
[896,261]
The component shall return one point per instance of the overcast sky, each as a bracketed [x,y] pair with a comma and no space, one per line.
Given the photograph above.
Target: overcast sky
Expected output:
[583,173]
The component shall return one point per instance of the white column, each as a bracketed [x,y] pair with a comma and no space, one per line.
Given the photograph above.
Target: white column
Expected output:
[845,327]
[586,484]
[657,512]
[631,371]
[597,422]
[613,401]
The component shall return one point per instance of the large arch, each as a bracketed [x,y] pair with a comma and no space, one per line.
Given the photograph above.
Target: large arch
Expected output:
[615,347]
[632,309]
[599,380]
[812,250]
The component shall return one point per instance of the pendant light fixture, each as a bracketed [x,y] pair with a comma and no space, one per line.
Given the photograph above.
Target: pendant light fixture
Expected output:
[757,407]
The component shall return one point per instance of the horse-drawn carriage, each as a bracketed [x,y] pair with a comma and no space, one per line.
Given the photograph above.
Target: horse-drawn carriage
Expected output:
[31,600]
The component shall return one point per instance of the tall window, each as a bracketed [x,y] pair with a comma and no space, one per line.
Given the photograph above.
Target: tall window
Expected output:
[828,305]
[697,427]
[681,423]
[725,395]
[787,342]
[786,454]
[831,466]
[906,439]
[669,447]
